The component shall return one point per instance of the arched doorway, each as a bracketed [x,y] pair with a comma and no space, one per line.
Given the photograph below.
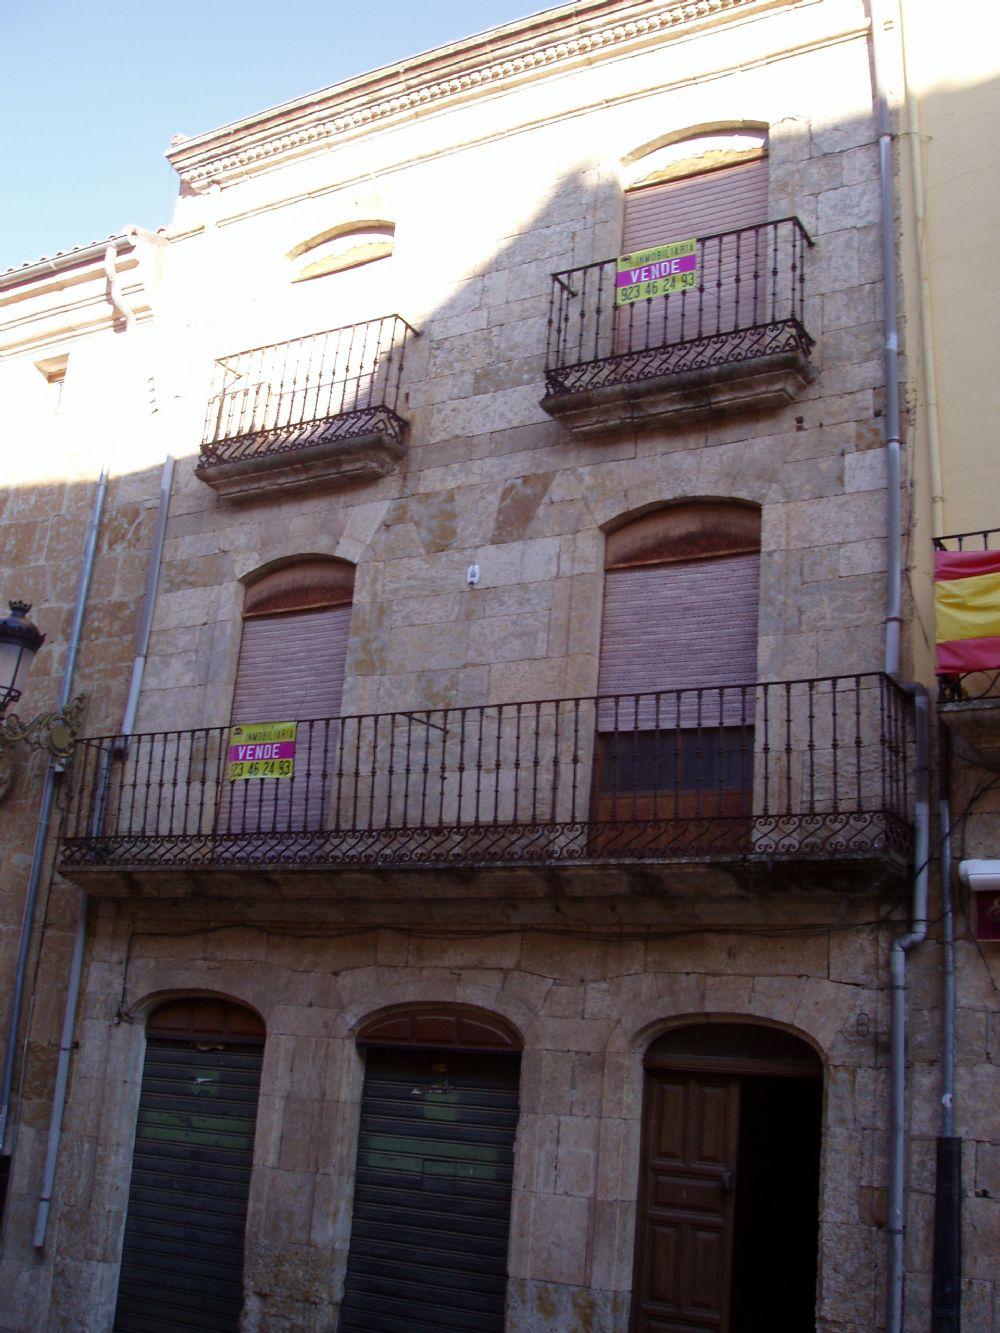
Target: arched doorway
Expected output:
[434,1172]
[182,1260]
[727,1226]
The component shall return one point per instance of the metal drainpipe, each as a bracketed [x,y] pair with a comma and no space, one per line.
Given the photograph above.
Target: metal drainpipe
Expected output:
[918,929]
[917,933]
[76,966]
[946,1268]
[45,811]
[897,1010]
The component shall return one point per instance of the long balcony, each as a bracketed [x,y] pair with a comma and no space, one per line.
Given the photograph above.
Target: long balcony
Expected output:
[761,781]
[969,699]
[734,339]
[319,408]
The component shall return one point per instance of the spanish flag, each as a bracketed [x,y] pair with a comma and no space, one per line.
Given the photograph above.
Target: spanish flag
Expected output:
[967,607]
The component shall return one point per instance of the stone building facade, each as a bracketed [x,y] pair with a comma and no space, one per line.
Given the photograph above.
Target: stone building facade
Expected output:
[542,980]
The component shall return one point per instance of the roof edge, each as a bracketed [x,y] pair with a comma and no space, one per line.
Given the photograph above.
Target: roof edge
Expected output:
[480,65]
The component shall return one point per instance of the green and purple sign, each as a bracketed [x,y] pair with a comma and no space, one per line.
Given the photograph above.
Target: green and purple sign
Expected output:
[656,272]
[261,750]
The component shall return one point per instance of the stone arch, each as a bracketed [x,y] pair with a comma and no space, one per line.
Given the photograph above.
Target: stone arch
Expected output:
[729,1171]
[344,246]
[423,1024]
[697,148]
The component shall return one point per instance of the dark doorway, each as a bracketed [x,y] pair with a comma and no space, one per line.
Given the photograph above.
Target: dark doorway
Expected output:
[182,1261]
[729,1193]
[432,1192]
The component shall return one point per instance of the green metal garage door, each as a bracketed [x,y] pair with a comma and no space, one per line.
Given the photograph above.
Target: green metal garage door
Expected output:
[432,1197]
[182,1263]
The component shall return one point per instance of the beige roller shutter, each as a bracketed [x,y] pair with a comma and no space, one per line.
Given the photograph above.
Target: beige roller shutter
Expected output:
[733,267]
[689,625]
[291,669]
[722,200]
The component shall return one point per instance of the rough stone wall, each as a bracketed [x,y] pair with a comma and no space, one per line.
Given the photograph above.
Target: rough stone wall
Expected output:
[487,478]
[586,1003]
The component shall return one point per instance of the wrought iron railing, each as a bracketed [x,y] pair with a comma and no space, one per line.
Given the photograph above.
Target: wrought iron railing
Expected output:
[748,301]
[815,768]
[326,387]
[960,687]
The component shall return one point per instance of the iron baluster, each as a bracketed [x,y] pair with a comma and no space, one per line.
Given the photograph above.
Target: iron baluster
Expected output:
[788,804]
[811,745]
[498,757]
[834,747]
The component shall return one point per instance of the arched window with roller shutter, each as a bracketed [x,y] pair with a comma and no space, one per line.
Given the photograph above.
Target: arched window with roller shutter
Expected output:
[296,621]
[677,670]
[711,188]
[702,310]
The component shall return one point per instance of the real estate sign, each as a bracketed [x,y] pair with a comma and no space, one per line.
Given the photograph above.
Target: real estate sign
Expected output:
[261,750]
[656,272]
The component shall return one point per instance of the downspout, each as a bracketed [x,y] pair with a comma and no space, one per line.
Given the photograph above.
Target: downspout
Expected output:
[115,297]
[45,815]
[76,965]
[917,932]
[946,1264]
[897,1009]
[946,1267]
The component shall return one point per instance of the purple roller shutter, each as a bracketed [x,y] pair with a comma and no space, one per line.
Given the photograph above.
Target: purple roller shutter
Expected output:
[696,205]
[291,669]
[733,267]
[688,626]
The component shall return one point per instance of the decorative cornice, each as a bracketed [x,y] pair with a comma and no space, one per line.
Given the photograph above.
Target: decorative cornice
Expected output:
[482,65]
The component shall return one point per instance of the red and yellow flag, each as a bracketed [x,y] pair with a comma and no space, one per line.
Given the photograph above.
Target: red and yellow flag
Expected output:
[967,607]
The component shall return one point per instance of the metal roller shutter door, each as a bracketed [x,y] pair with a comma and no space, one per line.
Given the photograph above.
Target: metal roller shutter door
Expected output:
[432,1196]
[182,1263]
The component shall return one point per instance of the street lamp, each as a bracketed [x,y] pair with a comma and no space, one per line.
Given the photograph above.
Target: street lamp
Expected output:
[55,732]
[19,641]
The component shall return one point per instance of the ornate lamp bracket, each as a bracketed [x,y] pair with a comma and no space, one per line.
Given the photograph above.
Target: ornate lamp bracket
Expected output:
[56,733]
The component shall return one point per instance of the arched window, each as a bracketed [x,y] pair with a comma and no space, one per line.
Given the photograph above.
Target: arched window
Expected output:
[697,186]
[182,1261]
[677,669]
[712,188]
[348,245]
[434,1171]
[728,1207]
[296,621]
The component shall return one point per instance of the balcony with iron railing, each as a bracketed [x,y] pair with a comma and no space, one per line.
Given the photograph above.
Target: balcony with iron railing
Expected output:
[969,669]
[318,408]
[755,781]
[733,338]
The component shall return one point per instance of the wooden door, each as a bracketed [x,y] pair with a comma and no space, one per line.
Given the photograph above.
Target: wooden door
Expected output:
[685,1222]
